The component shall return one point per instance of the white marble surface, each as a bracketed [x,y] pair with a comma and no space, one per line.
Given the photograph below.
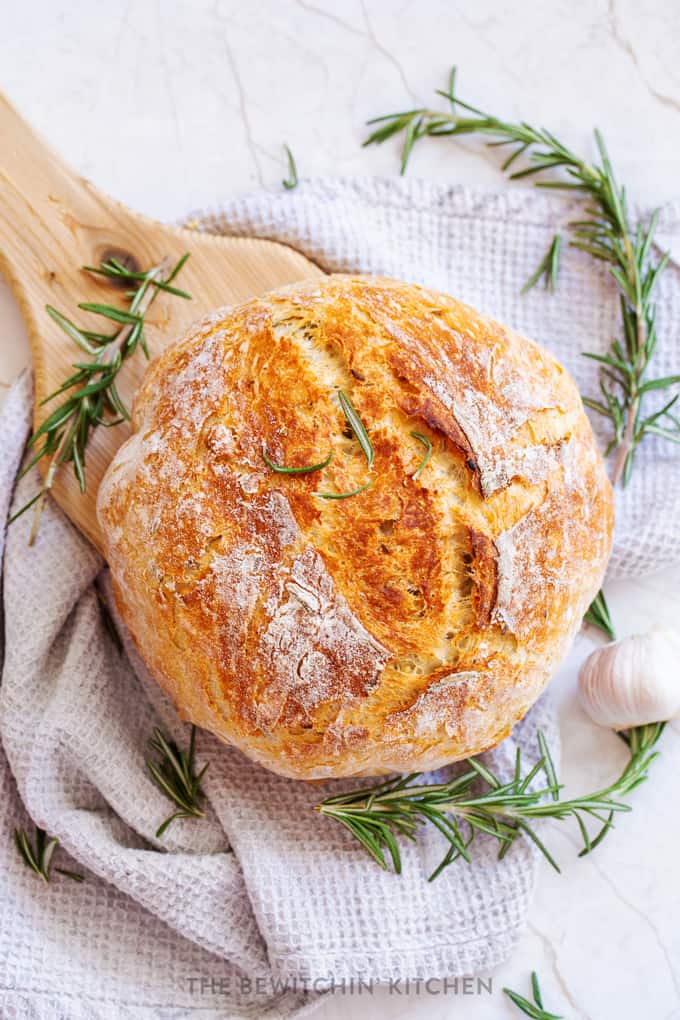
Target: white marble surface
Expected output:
[172,105]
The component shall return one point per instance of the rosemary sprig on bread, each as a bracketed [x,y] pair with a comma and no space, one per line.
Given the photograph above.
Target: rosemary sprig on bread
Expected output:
[357,427]
[428,453]
[90,396]
[604,232]
[282,469]
[376,816]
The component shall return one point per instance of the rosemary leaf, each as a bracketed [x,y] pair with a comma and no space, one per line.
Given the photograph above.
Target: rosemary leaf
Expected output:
[549,767]
[428,453]
[343,495]
[109,312]
[536,989]
[599,616]
[75,876]
[27,506]
[357,426]
[39,858]
[549,266]
[280,469]
[70,329]
[534,1009]
[291,181]
[176,270]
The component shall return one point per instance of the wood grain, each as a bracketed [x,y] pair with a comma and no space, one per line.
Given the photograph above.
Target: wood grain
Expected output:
[52,222]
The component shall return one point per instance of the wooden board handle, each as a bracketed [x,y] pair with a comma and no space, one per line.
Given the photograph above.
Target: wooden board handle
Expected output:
[52,221]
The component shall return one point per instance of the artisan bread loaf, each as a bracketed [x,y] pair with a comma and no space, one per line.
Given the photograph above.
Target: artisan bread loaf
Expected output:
[405,626]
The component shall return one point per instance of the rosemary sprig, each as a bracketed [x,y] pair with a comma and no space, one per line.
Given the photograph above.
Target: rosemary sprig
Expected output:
[175,777]
[428,453]
[599,616]
[39,858]
[282,470]
[604,232]
[378,815]
[291,181]
[90,394]
[357,426]
[534,1009]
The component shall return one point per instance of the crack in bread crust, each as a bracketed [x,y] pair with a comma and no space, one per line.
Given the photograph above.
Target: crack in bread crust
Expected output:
[405,627]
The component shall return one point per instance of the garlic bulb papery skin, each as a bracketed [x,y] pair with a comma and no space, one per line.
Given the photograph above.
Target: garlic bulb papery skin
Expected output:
[633,681]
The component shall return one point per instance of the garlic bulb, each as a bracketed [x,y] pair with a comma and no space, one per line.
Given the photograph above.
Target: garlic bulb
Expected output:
[633,681]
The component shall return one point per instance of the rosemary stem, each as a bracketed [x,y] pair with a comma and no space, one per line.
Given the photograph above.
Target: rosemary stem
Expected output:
[49,481]
[626,445]
[627,442]
[160,273]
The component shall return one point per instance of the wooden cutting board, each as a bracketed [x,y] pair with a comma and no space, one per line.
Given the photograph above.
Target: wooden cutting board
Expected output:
[53,222]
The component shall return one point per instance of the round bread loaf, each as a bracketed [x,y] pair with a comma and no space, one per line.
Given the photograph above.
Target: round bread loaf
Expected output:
[326,633]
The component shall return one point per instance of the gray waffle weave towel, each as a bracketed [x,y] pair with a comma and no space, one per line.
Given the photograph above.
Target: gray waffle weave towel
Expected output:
[258,907]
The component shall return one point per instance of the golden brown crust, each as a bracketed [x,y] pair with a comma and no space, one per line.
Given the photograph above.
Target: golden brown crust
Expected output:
[407,626]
